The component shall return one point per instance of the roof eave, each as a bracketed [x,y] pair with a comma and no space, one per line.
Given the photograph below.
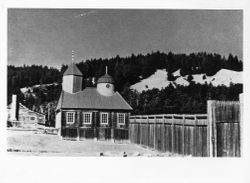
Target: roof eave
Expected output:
[79,108]
[68,74]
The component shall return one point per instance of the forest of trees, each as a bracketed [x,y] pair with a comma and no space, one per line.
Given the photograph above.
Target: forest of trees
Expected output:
[25,76]
[127,71]
[130,70]
[190,99]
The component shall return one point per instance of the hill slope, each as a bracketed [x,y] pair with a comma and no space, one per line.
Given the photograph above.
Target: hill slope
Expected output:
[159,79]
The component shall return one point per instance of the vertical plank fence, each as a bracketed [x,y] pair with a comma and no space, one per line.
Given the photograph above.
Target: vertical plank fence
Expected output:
[225,122]
[216,133]
[180,134]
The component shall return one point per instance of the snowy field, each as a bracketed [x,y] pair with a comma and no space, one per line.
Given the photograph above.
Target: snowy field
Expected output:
[37,144]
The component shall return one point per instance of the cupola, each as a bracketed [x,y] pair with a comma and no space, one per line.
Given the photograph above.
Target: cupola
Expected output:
[72,78]
[105,84]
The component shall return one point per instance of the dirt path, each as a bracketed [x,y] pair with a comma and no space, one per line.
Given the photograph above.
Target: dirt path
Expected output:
[34,143]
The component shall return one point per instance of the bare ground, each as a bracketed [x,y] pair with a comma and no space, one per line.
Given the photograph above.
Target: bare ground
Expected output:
[36,143]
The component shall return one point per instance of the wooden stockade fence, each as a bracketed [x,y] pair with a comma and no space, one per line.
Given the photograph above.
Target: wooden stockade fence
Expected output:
[216,133]
[181,134]
[225,124]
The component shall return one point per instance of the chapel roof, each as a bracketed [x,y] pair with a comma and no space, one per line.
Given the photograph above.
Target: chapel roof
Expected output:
[89,98]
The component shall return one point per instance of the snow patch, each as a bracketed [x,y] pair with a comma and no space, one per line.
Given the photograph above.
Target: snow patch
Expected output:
[225,77]
[25,89]
[200,78]
[177,73]
[159,79]
[156,80]
[181,81]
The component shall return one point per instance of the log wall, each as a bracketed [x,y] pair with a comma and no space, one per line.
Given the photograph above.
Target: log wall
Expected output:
[80,131]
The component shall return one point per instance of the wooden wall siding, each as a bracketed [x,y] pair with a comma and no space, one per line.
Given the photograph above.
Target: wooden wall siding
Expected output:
[114,119]
[104,133]
[86,133]
[95,129]
[63,118]
[77,86]
[226,121]
[127,120]
[97,121]
[70,133]
[78,118]
[121,134]
[93,120]
[216,133]
[25,114]
[101,133]
[180,134]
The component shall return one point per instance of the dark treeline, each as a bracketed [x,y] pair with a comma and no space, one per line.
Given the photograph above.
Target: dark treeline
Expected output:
[25,76]
[31,75]
[180,99]
[127,71]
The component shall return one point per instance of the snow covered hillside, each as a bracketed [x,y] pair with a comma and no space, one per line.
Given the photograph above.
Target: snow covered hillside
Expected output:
[159,79]
[43,86]
[34,91]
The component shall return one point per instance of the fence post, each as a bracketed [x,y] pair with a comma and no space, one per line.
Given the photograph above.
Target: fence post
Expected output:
[211,138]
[163,141]
[148,131]
[155,133]
[183,134]
[195,150]
[140,130]
[241,122]
[172,129]
[134,130]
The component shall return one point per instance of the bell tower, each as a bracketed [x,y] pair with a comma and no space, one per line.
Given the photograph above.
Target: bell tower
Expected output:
[72,78]
[105,84]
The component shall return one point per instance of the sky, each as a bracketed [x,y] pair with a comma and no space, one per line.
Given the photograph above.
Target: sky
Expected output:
[48,36]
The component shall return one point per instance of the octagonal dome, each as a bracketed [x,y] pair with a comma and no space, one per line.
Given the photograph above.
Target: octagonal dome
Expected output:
[105,79]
